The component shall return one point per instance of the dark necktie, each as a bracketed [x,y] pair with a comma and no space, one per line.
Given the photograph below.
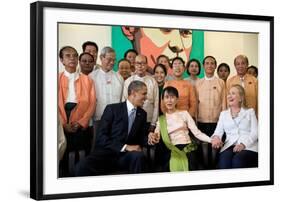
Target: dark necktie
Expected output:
[131,119]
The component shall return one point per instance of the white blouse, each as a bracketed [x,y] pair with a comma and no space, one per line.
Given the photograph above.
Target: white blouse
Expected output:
[72,77]
[242,129]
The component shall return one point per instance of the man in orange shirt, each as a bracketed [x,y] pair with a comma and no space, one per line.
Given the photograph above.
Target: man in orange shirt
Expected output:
[247,81]
[77,102]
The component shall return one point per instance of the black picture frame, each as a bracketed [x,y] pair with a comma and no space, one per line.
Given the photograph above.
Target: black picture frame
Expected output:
[38,100]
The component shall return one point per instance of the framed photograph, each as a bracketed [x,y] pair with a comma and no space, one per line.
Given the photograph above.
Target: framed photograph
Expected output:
[150,32]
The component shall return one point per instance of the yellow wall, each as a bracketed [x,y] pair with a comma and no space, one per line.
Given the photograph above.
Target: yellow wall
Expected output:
[76,34]
[225,46]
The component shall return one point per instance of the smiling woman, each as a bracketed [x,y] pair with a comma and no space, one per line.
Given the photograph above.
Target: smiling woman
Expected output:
[240,149]
[55,25]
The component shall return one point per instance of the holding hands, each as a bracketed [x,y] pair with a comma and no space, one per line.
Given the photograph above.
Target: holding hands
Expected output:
[216,142]
[153,138]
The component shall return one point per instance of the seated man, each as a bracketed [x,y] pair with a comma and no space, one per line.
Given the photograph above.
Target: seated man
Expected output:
[120,137]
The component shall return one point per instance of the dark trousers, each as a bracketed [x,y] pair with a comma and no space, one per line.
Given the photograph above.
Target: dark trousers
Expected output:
[78,146]
[208,155]
[104,161]
[96,125]
[244,159]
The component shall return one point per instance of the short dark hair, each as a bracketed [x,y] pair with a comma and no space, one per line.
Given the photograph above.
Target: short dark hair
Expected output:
[122,60]
[188,64]
[135,86]
[130,50]
[209,56]
[162,56]
[170,91]
[84,53]
[162,67]
[223,65]
[64,48]
[254,68]
[178,58]
[89,43]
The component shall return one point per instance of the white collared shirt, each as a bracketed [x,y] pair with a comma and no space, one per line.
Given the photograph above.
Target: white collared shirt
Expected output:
[130,107]
[72,77]
[210,78]
[109,87]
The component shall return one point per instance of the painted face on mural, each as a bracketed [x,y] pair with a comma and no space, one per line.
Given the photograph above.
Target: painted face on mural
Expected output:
[153,42]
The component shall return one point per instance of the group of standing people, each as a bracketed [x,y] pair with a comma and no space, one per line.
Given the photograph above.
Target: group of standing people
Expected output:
[108,117]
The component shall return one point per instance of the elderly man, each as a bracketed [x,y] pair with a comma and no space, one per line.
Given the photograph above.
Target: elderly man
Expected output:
[151,104]
[108,84]
[247,81]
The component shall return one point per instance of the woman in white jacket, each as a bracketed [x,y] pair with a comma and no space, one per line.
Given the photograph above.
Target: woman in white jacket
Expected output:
[240,149]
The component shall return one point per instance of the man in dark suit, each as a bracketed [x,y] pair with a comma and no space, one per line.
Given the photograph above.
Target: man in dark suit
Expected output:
[120,138]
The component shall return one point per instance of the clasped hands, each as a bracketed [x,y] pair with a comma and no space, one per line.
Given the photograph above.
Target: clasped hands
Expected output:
[153,138]
[72,127]
[216,142]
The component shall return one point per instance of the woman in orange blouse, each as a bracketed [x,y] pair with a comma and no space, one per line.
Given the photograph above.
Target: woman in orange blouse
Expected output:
[187,97]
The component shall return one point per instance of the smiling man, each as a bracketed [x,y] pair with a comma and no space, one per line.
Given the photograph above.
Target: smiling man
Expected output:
[247,81]
[121,136]
[108,84]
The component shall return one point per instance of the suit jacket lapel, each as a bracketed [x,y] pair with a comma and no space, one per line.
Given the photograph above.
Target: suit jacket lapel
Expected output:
[125,118]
